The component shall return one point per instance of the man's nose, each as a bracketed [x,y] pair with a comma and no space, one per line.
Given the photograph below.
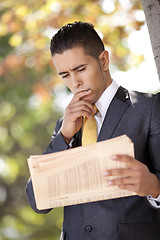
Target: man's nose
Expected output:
[76,81]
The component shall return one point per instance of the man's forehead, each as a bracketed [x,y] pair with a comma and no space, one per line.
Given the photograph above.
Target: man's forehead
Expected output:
[70,58]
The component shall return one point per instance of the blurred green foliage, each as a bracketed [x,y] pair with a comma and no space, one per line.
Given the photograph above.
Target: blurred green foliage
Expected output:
[28,91]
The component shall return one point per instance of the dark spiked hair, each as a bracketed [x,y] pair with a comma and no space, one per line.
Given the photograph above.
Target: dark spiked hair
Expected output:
[77,34]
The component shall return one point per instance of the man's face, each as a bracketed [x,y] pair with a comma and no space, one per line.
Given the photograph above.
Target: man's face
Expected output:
[81,72]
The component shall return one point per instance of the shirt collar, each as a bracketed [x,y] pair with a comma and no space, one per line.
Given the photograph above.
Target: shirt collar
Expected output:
[104,101]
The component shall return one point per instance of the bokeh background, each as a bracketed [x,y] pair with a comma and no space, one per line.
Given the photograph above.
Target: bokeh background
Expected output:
[32,97]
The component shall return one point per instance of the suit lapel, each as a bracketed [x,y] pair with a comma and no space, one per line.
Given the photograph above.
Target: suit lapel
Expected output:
[114,114]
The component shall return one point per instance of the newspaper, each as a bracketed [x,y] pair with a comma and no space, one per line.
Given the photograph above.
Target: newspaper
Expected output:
[74,176]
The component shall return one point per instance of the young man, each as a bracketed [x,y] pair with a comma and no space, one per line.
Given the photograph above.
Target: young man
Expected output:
[82,62]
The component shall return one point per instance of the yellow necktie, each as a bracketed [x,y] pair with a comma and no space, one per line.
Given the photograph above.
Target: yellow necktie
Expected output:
[89,134]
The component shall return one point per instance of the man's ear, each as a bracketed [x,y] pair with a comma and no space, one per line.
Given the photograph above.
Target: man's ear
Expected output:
[104,60]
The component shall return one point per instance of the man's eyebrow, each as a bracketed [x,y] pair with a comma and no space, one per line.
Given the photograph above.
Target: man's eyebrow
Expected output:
[79,66]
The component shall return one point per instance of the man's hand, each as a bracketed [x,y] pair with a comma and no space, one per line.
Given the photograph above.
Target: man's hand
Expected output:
[136,177]
[77,108]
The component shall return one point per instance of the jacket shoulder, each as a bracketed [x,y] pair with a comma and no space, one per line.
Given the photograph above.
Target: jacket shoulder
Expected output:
[140,97]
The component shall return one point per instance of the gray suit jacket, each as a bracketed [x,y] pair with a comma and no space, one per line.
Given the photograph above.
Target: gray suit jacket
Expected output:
[131,218]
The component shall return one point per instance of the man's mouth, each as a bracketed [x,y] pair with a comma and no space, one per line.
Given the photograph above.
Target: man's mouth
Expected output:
[82,90]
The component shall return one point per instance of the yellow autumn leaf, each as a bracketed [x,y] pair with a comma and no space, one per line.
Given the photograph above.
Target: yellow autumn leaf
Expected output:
[21,11]
[15,40]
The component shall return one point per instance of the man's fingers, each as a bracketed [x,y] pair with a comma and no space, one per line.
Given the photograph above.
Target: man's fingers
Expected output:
[81,112]
[77,114]
[122,181]
[81,106]
[130,161]
[72,121]
[123,172]
[136,177]
[79,95]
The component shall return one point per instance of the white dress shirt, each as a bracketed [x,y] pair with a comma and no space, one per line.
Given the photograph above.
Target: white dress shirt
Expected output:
[103,103]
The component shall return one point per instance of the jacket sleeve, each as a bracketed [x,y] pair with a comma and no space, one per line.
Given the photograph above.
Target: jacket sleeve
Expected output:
[154,136]
[154,145]
[57,144]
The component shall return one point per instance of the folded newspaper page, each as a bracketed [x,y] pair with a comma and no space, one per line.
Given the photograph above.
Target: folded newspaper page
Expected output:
[74,176]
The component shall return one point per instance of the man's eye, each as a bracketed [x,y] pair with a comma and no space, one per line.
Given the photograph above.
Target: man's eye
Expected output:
[81,69]
[64,76]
